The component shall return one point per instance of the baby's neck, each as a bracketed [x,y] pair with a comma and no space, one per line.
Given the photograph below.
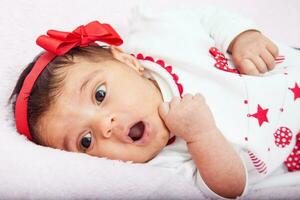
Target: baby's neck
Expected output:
[156,85]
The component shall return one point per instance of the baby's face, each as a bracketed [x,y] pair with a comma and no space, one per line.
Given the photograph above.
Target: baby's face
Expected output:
[108,110]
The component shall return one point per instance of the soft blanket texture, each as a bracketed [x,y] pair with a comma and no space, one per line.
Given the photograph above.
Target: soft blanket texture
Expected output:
[34,172]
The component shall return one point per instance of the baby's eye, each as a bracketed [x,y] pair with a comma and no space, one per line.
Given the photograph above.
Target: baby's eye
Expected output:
[86,141]
[100,93]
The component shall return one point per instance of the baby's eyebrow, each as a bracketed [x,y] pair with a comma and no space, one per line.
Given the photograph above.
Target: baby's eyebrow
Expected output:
[70,139]
[66,142]
[88,78]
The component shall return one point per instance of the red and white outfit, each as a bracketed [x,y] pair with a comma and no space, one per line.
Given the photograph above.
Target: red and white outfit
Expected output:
[259,115]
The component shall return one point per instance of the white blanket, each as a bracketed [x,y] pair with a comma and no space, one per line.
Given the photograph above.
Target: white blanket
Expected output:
[29,171]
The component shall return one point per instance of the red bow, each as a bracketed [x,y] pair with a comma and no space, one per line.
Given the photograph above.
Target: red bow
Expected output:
[59,42]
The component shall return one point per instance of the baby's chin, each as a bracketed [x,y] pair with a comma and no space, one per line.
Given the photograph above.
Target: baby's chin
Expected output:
[158,149]
[145,160]
[154,153]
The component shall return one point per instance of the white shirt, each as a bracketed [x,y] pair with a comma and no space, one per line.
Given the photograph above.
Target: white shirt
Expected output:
[258,115]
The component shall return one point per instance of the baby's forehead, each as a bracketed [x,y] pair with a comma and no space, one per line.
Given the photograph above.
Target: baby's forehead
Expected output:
[56,122]
[83,70]
[85,64]
[61,112]
[79,77]
[92,59]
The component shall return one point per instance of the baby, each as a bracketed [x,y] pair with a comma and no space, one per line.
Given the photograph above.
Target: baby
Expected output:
[82,97]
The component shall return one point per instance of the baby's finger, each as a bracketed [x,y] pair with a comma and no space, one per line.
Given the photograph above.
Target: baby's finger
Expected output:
[163,110]
[273,49]
[248,67]
[260,64]
[268,59]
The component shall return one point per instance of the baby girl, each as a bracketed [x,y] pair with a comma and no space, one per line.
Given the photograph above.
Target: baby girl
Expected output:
[207,117]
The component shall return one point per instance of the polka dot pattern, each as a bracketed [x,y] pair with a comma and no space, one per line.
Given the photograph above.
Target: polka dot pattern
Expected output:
[293,160]
[283,137]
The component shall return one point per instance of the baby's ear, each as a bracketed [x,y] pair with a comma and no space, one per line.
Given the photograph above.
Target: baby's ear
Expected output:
[127,59]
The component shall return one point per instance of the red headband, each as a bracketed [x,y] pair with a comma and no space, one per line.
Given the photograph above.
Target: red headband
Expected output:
[58,43]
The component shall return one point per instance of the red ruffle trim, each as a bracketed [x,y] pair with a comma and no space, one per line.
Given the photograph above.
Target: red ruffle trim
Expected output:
[168,68]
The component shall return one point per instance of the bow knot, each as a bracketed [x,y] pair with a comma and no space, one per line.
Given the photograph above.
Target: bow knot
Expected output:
[59,42]
[84,37]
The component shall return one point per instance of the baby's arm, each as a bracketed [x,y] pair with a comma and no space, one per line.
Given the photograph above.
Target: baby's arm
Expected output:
[252,52]
[170,32]
[220,166]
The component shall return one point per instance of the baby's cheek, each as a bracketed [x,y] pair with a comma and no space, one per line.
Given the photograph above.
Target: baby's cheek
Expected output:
[103,149]
[164,135]
[160,133]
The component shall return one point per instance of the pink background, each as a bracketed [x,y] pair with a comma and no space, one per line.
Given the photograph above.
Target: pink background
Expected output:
[23,20]
[277,18]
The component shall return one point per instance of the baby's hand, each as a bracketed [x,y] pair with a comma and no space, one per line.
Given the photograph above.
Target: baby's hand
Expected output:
[188,118]
[253,53]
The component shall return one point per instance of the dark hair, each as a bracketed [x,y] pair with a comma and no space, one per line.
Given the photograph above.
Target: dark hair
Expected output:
[47,86]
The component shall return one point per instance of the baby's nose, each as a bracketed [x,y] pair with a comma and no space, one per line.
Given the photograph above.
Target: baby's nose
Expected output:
[107,133]
[103,124]
[106,128]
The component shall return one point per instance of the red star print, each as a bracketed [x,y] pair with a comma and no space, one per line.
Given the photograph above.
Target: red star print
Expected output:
[261,115]
[296,91]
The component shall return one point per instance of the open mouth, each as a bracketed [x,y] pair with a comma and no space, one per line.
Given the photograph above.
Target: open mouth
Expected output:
[136,132]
